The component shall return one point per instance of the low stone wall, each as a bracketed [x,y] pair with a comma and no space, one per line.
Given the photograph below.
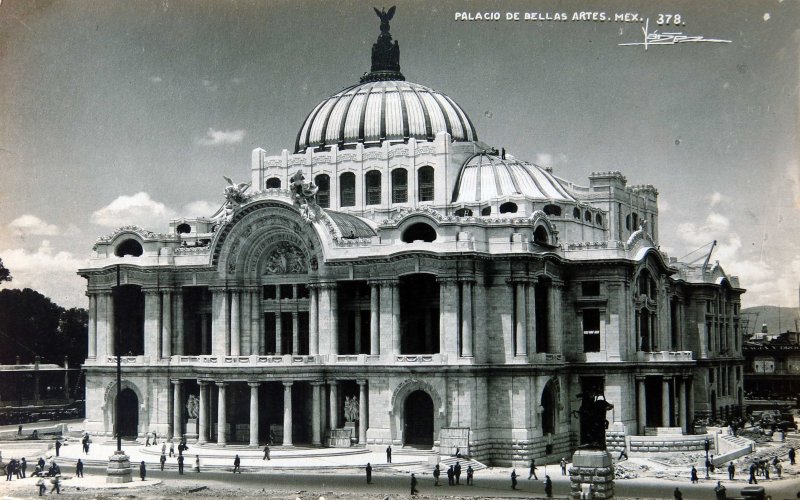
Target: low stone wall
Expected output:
[518,453]
[638,445]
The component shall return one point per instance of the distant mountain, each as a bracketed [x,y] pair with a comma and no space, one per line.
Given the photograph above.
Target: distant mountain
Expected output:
[778,320]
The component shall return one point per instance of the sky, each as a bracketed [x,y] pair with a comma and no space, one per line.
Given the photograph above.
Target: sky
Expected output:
[116,113]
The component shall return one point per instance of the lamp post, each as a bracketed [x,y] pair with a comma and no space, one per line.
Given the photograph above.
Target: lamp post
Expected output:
[119,464]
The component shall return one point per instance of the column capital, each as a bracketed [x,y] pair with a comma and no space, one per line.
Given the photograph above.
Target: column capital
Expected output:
[176,381]
[151,291]
[640,378]
[287,383]
[520,280]
[254,384]
[361,382]
[203,383]
[317,383]
[447,280]
[327,285]
[333,382]
[388,282]
[220,383]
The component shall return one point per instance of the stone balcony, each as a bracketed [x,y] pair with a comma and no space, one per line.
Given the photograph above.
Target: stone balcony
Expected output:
[663,356]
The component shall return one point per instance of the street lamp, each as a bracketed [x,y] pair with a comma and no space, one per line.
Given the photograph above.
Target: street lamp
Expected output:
[119,464]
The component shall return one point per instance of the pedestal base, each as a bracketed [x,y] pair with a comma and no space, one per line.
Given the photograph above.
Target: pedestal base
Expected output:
[191,431]
[591,469]
[119,468]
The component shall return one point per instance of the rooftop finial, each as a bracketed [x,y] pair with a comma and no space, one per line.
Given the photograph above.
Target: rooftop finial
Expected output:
[385,54]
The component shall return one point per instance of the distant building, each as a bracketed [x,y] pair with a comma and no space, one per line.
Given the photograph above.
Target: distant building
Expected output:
[427,289]
[772,367]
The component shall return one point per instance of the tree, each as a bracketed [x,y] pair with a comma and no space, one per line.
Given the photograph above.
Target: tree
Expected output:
[5,274]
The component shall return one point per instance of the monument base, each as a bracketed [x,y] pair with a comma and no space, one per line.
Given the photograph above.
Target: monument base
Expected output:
[591,470]
[191,435]
[119,468]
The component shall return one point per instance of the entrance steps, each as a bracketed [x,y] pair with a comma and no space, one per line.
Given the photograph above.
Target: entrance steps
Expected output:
[213,450]
[426,467]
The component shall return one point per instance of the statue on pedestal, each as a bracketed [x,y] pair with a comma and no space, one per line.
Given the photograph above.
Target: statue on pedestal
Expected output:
[351,409]
[592,415]
[192,406]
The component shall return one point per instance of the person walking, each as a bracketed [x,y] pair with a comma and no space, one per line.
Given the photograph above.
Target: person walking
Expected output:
[532,472]
[731,471]
[10,469]
[389,454]
[56,485]
[142,470]
[58,446]
[368,470]
[171,448]
[236,462]
[513,479]
[470,473]
[765,465]
[23,464]
[197,464]
[457,472]
[413,485]
[677,494]
[778,470]
[436,473]
[563,466]
[693,474]
[719,491]
[164,448]
[42,488]
[451,476]
[548,486]
[791,455]
[180,464]
[752,479]
[79,468]
[163,460]
[266,453]
[147,443]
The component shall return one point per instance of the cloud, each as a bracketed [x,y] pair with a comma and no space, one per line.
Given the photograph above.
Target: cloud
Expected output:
[155,79]
[139,209]
[50,272]
[716,198]
[221,137]
[210,86]
[31,225]
[200,208]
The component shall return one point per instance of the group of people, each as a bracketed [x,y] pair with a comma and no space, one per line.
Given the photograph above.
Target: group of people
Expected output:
[548,483]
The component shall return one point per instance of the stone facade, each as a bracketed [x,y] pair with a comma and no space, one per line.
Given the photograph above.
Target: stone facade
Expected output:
[490,314]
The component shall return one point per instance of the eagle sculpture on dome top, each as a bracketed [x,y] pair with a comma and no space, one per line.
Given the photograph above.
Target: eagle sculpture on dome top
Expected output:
[385,17]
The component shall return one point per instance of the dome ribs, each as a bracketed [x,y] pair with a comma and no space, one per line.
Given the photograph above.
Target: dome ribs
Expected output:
[428,128]
[324,133]
[383,114]
[362,120]
[463,121]
[403,112]
[448,125]
[343,122]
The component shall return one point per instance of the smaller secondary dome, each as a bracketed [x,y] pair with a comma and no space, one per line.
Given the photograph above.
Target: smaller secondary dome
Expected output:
[487,176]
[373,112]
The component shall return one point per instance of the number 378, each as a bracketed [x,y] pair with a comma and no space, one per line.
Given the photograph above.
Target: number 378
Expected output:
[667,19]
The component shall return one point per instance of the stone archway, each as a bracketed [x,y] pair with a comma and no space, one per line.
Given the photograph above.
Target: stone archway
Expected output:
[137,414]
[548,406]
[418,420]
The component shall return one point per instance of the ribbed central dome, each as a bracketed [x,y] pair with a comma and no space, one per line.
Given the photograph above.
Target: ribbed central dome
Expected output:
[374,112]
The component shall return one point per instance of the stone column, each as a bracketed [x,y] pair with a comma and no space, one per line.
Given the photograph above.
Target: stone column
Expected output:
[256,323]
[521,323]
[357,329]
[333,404]
[313,320]
[278,333]
[690,406]
[166,324]
[316,421]
[222,422]
[466,319]
[374,319]
[557,326]
[641,402]
[448,316]
[396,337]
[179,349]
[177,409]
[532,348]
[151,316]
[254,412]
[111,321]
[287,414]
[203,421]
[665,402]
[681,403]
[362,412]
[295,333]
[92,348]
[219,323]
[334,313]
[236,331]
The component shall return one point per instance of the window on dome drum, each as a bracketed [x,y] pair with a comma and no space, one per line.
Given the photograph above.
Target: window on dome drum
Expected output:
[425,176]
[552,210]
[598,219]
[576,213]
[183,229]
[323,182]
[587,216]
[347,189]
[128,247]
[591,330]
[508,207]
[486,211]
[399,185]
[373,180]
[590,288]
[273,183]
[419,232]
[463,212]
[540,236]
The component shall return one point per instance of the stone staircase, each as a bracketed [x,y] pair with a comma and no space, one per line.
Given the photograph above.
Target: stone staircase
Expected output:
[426,467]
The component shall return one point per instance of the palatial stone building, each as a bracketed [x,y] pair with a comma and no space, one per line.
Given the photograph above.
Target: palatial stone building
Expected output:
[462,296]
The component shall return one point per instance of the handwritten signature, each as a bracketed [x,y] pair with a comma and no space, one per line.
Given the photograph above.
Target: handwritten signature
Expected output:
[656,38]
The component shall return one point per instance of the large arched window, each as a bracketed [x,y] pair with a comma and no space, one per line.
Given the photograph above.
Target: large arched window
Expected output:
[130,247]
[323,182]
[419,232]
[508,207]
[273,183]
[373,180]
[540,236]
[399,185]
[425,176]
[576,213]
[552,210]
[347,189]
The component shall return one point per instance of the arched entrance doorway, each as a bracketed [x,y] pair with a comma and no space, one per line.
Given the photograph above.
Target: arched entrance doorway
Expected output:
[418,420]
[548,410]
[128,425]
